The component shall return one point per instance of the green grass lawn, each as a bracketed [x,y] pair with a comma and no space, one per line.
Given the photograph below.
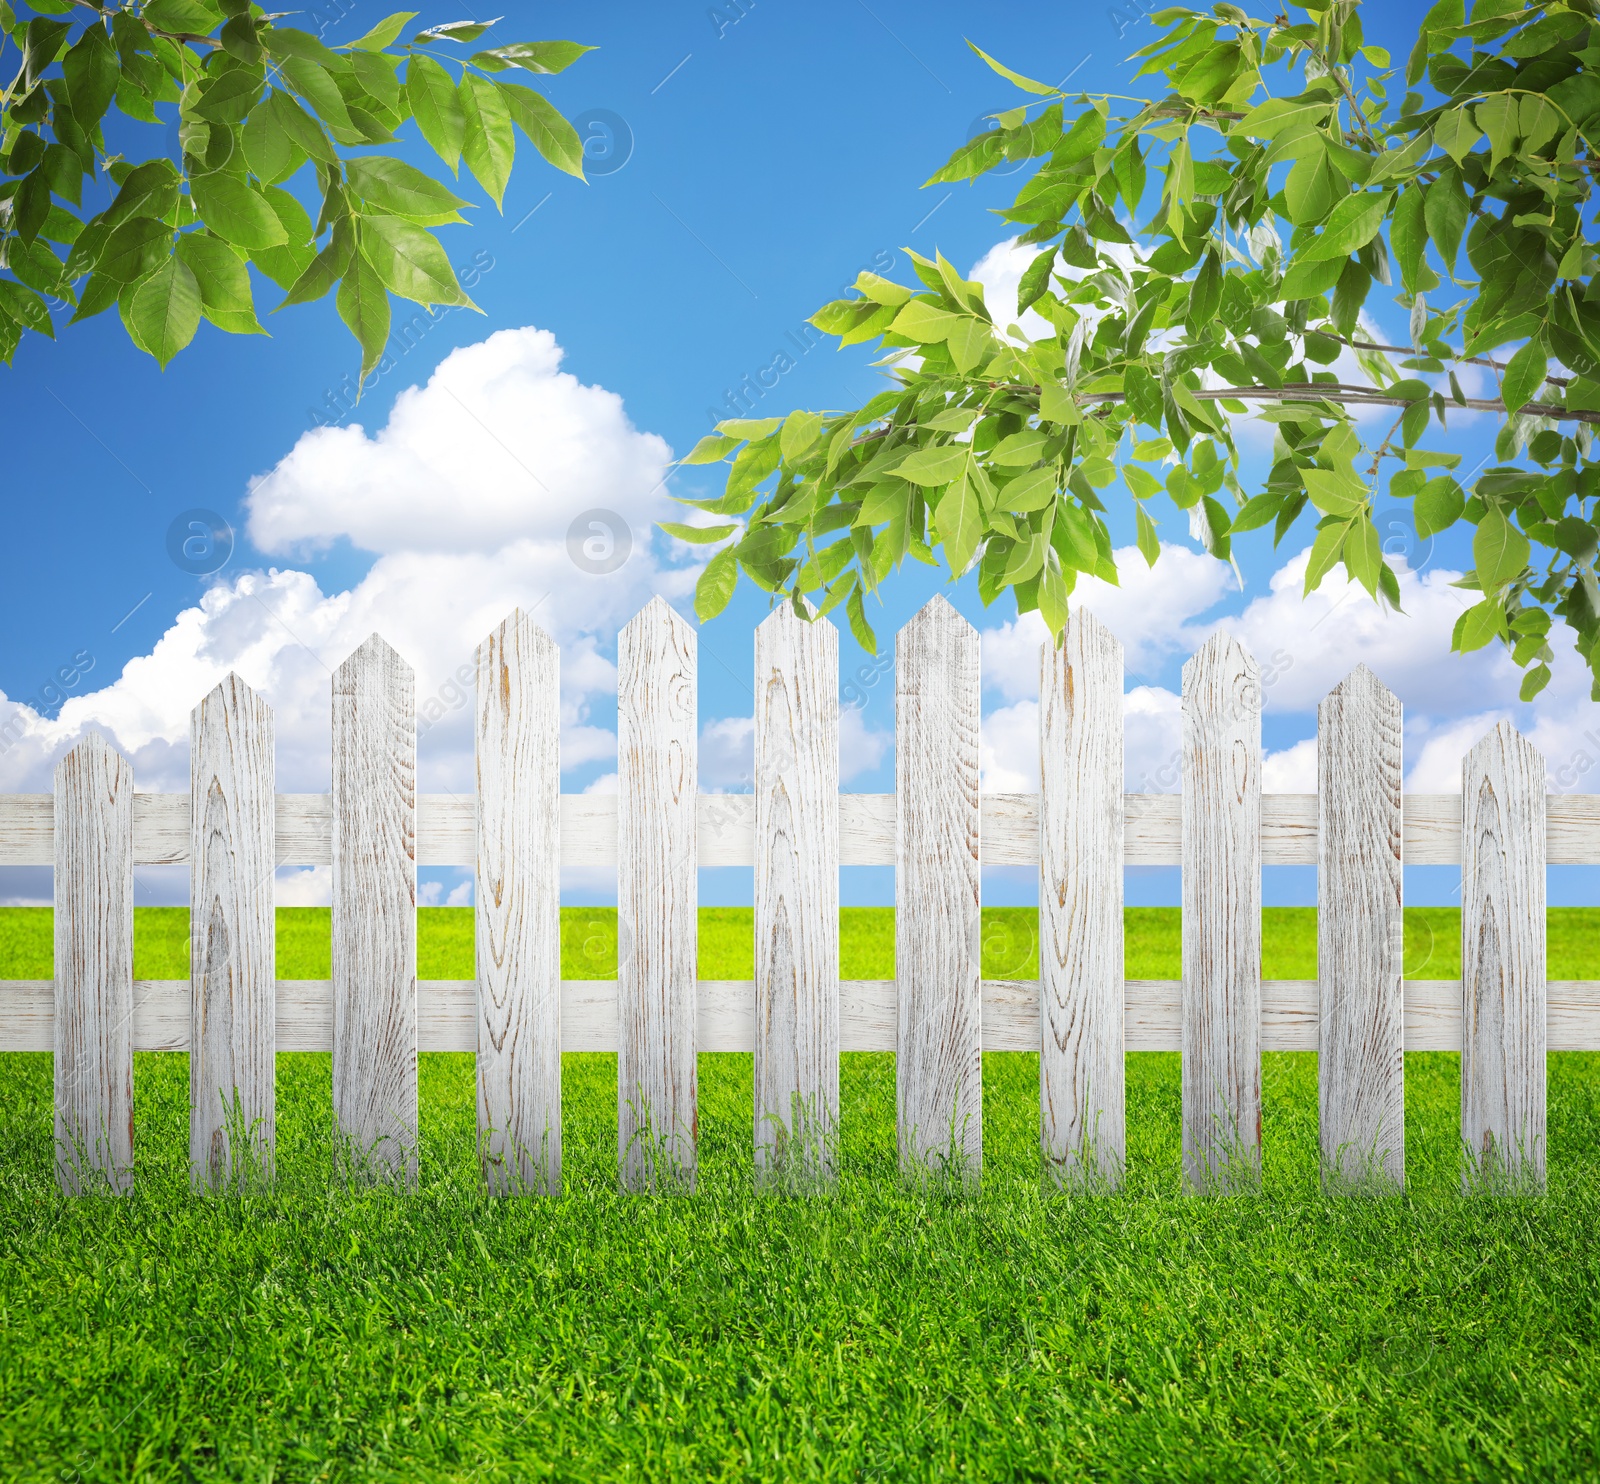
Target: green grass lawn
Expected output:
[315,1332]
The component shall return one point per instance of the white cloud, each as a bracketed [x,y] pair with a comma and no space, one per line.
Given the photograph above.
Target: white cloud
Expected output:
[499,446]
[467,495]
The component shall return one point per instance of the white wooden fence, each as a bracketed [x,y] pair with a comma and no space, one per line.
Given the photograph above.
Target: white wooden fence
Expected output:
[233,829]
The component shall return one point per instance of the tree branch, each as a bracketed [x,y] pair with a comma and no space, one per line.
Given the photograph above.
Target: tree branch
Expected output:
[1353,396]
[1401,350]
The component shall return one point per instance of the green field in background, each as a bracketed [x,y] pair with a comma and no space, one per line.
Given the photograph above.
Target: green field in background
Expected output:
[866,942]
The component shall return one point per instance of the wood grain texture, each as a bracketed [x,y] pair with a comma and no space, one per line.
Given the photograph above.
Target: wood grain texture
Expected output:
[1503,961]
[374,914]
[1360,936]
[93,1029]
[447,1015]
[518,908]
[1080,991]
[233,940]
[937,890]
[1152,830]
[796,897]
[658,1121]
[1221,918]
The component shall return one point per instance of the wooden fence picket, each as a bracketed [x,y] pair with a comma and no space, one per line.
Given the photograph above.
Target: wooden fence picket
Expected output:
[518,908]
[94,969]
[1221,918]
[1360,936]
[1503,962]
[658,1124]
[796,897]
[937,890]
[1081,1103]
[374,914]
[233,970]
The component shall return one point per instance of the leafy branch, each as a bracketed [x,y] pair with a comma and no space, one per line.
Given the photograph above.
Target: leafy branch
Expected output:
[1278,184]
[257,104]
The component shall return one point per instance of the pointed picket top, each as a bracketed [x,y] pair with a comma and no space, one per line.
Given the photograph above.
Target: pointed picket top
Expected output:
[1222,661]
[1503,741]
[93,746]
[784,616]
[231,688]
[519,627]
[1362,682]
[938,613]
[375,650]
[659,610]
[1086,635]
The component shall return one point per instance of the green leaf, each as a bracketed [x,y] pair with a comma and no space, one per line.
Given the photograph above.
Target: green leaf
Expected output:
[410,261]
[1438,505]
[1524,375]
[750,428]
[1325,550]
[1445,211]
[364,307]
[395,188]
[134,249]
[1533,682]
[970,342]
[924,322]
[91,70]
[1499,551]
[697,535]
[800,431]
[1497,117]
[1032,490]
[539,56]
[1205,294]
[383,34]
[25,307]
[546,129]
[716,584]
[1362,553]
[300,127]
[959,520]
[1149,542]
[268,149]
[1408,236]
[165,311]
[859,626]
[453,31]
[229,97]
[490,145]
[236,211]
[711,449]
[315,83]
[1455,133]
[1353,223]
[1334,492]
[326,269]
[933,466]
[1035,281]
[437,108]
[1313,188]
[1478,625]
[1027,84]
[224,283]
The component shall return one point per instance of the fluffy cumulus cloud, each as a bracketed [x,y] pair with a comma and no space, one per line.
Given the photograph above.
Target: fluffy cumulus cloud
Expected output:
[468,495]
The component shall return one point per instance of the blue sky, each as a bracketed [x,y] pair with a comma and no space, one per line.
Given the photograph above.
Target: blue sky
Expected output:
[746,163]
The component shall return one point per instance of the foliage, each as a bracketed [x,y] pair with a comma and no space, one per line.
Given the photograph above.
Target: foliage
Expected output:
[257,101]
[1467,200]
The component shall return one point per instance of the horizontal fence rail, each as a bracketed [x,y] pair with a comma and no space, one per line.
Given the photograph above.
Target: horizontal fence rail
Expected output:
[938,831]
[1009,829]
[726,1015]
